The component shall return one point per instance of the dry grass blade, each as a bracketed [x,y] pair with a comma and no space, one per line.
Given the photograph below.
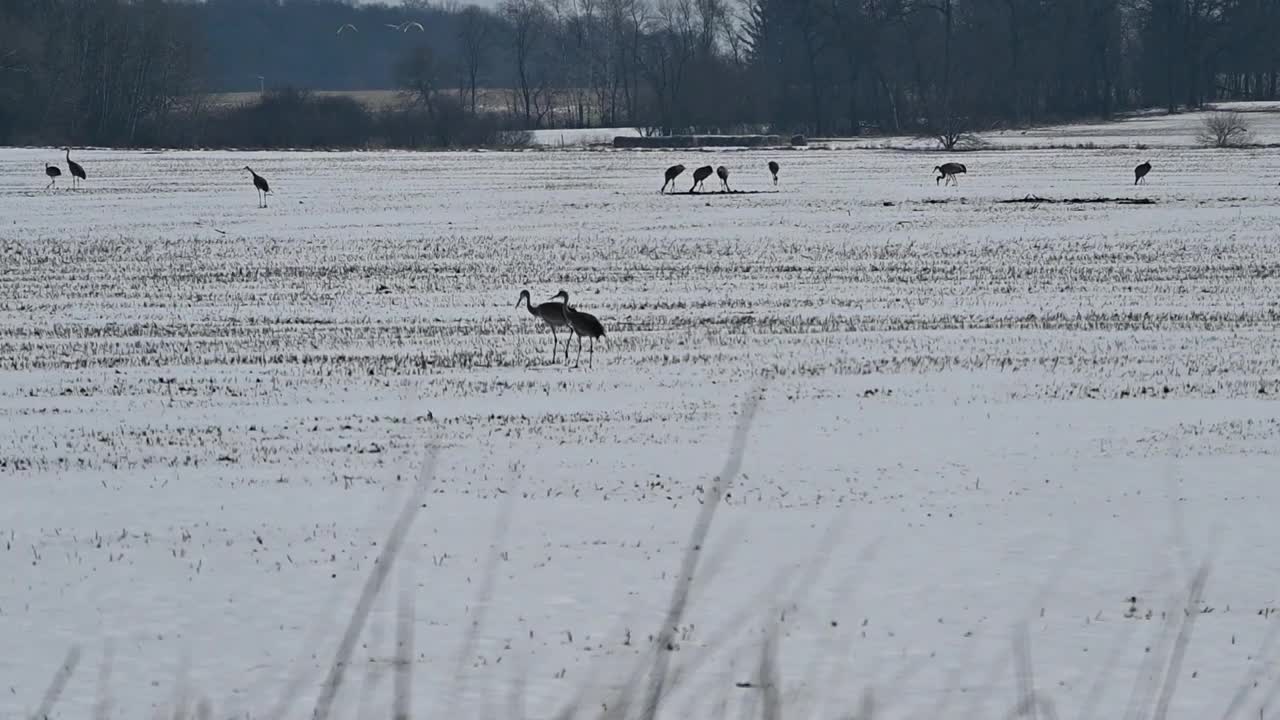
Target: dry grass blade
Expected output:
[1026,678]
[1260,666]
[483,595]
[770,684]
[102,706]
[1194,597]
[401,699]
[58,684]
[1029,701]
[378,576]
[689,563]
[1090,704]
[372,674]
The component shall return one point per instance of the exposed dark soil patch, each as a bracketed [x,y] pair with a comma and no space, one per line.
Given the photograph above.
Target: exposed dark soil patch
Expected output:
[1037,200]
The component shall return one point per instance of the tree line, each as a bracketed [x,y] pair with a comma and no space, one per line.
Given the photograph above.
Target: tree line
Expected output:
[148,72]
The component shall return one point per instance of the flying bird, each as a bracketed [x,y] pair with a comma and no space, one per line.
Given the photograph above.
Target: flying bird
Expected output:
[404,26]
[348,26]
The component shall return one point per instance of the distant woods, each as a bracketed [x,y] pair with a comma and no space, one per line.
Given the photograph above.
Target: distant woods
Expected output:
[148,72]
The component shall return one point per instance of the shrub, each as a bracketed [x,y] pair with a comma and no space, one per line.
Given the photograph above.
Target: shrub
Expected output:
[291,118]
[1223,129]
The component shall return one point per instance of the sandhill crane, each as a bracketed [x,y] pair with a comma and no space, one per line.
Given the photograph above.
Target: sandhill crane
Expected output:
[76,170]
[773,168]
[53,172]
[699,175]
[670,176]
[1140,172]
[260,183]
[404,26]
[949,171]
[552,314]
[581,324]
[722,172]
[348,26]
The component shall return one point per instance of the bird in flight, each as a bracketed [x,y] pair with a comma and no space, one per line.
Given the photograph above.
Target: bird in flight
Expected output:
[348,26]
[404,26]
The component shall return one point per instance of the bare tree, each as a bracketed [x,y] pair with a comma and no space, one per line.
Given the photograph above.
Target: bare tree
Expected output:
[526,20]
[1223,130]
[476,39]
[419,74]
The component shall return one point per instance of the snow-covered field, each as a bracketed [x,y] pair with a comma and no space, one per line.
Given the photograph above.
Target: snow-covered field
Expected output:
[976,415]
[1140,130]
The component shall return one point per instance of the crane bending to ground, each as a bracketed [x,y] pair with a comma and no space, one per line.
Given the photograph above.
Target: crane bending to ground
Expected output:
[260,183]
[581,324]
[669,177]
[949,171]
[77,171]
[1140,172]
[551,313]
[53,172]
[699,175]
[722,172]
[773,168]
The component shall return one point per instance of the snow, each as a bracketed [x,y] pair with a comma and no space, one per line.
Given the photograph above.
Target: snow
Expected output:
[1136,131]
[580,137]
[976,416]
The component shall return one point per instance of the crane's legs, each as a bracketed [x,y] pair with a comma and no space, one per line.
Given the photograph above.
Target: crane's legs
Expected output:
[51,182]
[578,360]
[555,345]
[591,353]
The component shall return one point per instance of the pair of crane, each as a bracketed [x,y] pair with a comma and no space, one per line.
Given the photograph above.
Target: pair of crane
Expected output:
[948,172]
[53,172]
[704,172]
[558,315]
[402,27]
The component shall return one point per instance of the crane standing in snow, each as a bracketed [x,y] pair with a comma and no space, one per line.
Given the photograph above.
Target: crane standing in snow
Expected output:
[77,171]
[260,183]
[553,315]
[580,323]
